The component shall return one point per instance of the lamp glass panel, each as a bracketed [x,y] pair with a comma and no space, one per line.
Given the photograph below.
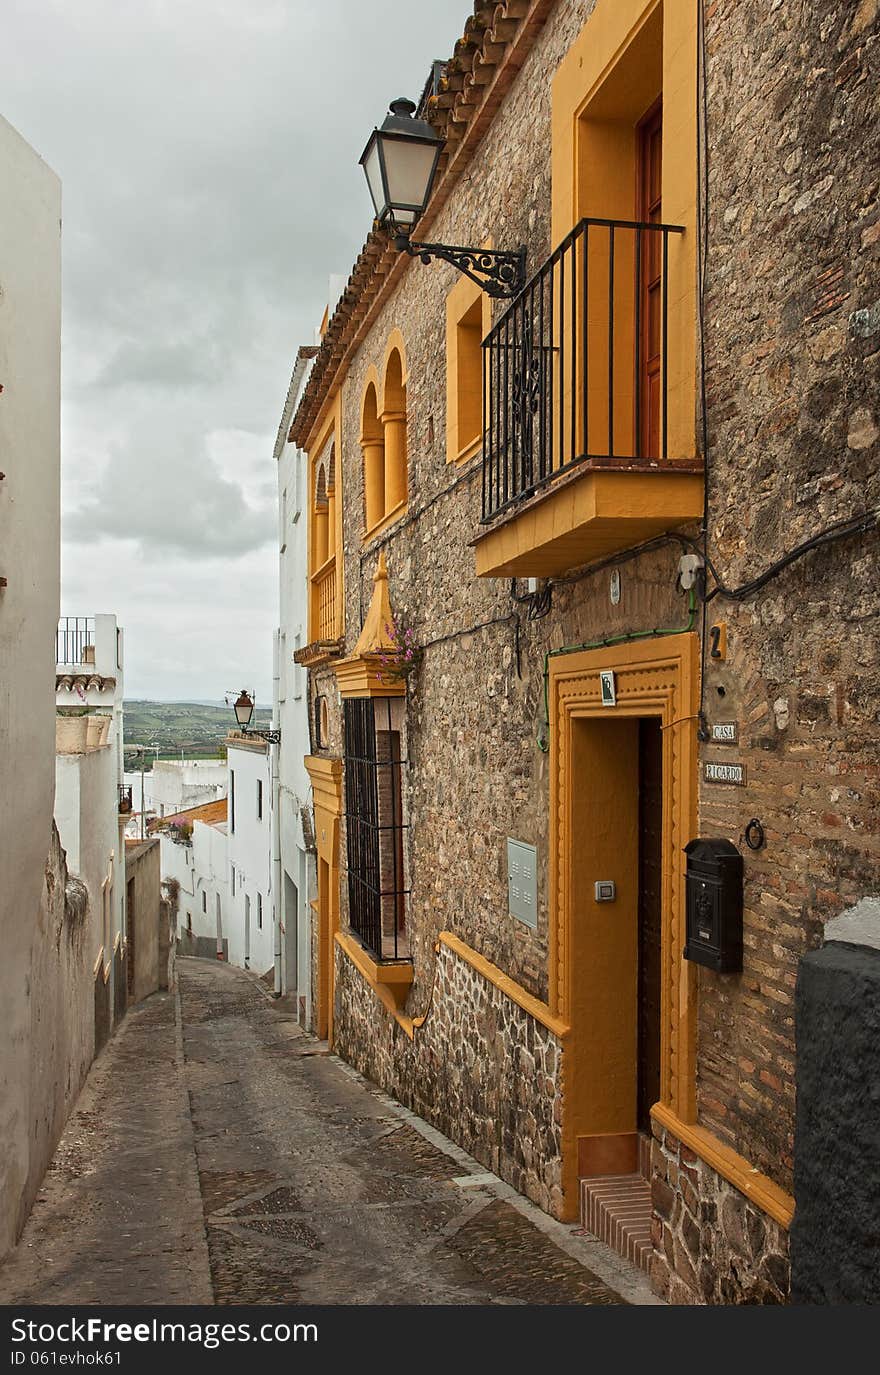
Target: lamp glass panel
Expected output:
[408,167]
[373,173]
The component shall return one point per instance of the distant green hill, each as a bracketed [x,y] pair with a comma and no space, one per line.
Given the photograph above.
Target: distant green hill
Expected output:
[169,729]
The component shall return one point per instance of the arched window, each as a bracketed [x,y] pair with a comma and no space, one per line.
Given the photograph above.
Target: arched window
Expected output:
[373,449]
[322,512]
[383,439]
[393,420]
[323,615]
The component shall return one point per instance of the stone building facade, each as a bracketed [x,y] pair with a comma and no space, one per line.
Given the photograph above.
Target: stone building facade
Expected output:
[538,1043]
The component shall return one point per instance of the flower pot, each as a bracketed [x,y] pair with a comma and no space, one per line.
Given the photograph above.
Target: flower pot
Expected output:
[98,731]
[71,734]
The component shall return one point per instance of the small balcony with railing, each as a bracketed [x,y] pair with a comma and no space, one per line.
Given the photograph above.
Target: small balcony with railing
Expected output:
[324,584]
[588,408]
[75,643]
[325,641]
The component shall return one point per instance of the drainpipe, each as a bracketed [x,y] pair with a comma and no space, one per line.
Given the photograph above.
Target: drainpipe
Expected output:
[275,820]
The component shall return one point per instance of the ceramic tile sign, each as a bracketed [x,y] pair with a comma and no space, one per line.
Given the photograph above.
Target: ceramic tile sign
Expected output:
[608,688]
[725,733]
[732,774]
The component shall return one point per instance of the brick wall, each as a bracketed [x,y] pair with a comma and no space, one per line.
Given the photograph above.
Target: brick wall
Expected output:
[793,331]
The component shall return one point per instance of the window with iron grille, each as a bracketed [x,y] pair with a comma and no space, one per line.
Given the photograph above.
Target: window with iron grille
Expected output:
[375,827]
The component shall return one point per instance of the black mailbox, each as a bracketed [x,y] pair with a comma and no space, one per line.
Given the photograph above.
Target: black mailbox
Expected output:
[714,905]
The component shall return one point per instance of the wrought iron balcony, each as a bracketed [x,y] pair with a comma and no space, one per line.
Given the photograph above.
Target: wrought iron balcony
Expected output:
[125,798]
[75,641]
[576,379]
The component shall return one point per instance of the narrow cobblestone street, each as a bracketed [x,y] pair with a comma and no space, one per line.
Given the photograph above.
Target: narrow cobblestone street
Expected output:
[233,1161]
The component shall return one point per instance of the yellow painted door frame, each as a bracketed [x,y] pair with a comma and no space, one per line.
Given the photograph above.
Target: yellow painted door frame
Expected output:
[326,776]
[593,805]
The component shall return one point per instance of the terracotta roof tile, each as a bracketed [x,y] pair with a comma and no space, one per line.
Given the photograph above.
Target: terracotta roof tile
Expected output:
[209,812]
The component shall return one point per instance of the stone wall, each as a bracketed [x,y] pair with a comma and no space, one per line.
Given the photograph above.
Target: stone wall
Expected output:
[711,1244]
[480,1068]
[834,1233]
[793,342]
[476,774]
[792,323]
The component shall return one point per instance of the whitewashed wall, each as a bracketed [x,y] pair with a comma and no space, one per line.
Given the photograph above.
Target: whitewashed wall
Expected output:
[84,829]
[200,869]
[86,817]
[251,940]
[178,784]
[32,1105]
[297,881]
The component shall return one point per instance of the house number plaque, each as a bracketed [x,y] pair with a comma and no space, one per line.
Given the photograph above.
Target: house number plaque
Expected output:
[733,774]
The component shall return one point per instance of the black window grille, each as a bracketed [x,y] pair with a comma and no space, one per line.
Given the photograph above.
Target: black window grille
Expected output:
[319,741]
[377,891]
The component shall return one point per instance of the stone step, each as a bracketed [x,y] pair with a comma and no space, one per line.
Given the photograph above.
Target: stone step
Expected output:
[617,1210]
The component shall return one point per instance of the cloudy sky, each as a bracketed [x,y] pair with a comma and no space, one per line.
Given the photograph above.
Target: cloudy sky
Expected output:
[208,153]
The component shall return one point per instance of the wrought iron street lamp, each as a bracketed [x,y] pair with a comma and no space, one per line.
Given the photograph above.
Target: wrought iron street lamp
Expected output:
[400,162]
[244,710]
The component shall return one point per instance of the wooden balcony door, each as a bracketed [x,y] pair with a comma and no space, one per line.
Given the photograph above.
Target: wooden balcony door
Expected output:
[649,150]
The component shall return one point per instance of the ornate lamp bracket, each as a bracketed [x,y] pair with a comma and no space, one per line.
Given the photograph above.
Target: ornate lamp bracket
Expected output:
[271,737]
[501,273]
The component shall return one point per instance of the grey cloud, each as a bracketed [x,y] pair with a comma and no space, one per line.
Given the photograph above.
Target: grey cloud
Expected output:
[175,501]
[208,155]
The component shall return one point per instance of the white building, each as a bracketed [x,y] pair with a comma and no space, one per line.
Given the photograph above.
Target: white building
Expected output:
[194,855]
[40,1061]
[220,856]
[250,927]
[295,860]
[90,810]
[177,784]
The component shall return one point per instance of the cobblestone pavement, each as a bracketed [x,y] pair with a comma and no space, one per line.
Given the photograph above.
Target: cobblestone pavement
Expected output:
[289,1179]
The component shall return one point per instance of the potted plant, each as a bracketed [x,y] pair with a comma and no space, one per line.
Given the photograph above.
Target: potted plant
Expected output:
[71,730]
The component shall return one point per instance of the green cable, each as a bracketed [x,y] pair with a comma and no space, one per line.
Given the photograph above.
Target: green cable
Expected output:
[544,743]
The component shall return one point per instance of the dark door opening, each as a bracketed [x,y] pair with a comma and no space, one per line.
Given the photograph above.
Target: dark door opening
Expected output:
[650,901]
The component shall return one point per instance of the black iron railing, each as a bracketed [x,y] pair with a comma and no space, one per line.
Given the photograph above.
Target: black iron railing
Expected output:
[375,828]
[75,641]
[576,369]
[125,798]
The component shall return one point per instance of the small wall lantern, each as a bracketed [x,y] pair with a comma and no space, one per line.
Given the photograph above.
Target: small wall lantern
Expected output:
[243,707]
[400,163]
